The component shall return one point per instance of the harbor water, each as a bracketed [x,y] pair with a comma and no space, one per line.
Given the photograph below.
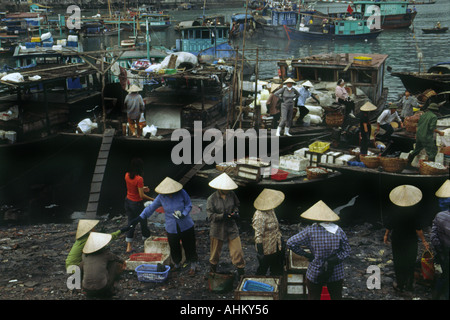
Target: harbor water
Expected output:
[56,184]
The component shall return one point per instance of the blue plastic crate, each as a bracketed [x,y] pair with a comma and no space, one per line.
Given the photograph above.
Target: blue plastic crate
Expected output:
[251,285]
[47,44]
[72,44]
[30,45]
[148,273]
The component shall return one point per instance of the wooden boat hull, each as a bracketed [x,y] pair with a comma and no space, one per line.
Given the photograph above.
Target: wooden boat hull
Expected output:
[397,21]
[296,35]
[419,83]
[435,30]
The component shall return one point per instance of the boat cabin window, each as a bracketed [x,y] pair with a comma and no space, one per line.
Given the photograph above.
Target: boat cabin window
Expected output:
[205,34]
[325,75]
[363,76]
[197,34]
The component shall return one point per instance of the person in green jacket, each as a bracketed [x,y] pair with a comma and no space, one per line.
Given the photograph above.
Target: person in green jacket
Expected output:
[85,226]
[426,127]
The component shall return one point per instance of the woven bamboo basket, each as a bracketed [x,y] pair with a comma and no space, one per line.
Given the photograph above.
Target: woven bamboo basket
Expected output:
[334,119]
[410,126]
[316,173]
[370,161]
[395,165]
[429,168]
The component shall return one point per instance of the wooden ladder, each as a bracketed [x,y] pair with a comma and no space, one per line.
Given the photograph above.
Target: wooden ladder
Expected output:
[97,178]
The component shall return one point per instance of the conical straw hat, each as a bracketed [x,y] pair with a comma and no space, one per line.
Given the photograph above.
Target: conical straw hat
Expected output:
[320,212]
[308,84]
[444,190]
[134,88]
[289,80]
[368,106]
[96,241]
[84,226]
[223,182]
[274,87]
[405,195]
[268,199]
[168,186]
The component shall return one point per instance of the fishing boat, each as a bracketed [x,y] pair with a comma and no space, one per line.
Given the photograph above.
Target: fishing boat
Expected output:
[210,20]
[346,30]
[156,21]
[271,20]
[392,14]
[41,100]
[97,30]
[435,30]
[20,22]
[436,78]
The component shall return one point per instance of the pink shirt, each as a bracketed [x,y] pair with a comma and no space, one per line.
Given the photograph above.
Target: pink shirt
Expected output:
[341,93]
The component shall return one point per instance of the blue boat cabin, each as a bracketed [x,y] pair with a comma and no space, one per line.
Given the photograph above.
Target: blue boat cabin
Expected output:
[195,39]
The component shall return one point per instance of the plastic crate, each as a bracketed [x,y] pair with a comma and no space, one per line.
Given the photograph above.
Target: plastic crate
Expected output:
[47,44]
[148,273]
[319,146]
[251,285]
[146,257]
[72,44]
[278,174]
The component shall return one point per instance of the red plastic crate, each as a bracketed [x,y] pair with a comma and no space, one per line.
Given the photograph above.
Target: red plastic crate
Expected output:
[146,257]
[277,174]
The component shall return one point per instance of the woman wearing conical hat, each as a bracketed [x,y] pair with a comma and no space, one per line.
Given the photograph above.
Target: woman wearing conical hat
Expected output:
[135,106]
[288,96]
[403,226]
[85,226]
[178,222]
[328,247]
[440,238]
[101,267]
[222,208]
[365,127]
[268,240]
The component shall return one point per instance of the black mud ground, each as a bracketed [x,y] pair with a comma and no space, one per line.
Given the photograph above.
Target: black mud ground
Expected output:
[32,264]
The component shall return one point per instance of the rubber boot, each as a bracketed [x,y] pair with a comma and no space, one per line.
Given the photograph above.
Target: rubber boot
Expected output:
[286,132]
[278,131]
[240,272]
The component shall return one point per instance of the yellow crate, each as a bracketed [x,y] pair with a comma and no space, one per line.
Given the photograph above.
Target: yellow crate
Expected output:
[319,146]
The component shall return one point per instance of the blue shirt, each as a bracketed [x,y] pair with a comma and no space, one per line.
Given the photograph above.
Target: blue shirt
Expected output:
[322,245]
[172,202]
[304,94]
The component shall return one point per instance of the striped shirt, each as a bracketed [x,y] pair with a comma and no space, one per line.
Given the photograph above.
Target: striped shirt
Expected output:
[322,245]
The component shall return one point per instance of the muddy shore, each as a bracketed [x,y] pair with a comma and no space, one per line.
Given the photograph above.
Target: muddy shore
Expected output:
[33,263]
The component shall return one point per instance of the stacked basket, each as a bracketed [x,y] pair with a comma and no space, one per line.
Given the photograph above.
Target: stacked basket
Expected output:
[432,168]
[411,122]
[372,162]
[335,119]
[395,165]
[316,173]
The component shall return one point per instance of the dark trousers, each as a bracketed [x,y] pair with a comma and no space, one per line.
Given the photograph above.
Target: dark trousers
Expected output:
[404,252]
[275,120]
[441,288]
[134,209]
[315,290]
[303,112]
[349,105]
[389,131]
[274,262]
[187,239]
[365,139]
